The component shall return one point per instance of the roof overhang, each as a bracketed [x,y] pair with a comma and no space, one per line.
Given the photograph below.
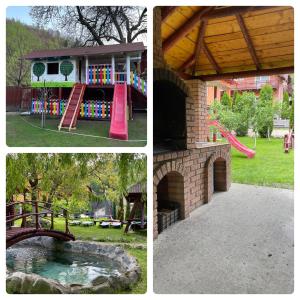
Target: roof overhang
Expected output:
[215,42]
[116,49]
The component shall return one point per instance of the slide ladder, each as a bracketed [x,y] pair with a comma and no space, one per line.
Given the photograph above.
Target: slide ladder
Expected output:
[232,139]
[69,118]
[118,126]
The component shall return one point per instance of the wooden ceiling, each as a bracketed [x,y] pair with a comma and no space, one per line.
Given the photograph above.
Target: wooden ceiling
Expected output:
[214,42]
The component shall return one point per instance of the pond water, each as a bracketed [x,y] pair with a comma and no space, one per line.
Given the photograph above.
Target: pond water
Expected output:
[66,268]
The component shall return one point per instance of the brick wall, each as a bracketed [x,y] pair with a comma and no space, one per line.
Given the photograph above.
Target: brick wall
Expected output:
[188,177]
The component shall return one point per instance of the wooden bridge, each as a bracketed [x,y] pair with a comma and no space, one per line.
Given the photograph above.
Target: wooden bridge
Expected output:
[16,234]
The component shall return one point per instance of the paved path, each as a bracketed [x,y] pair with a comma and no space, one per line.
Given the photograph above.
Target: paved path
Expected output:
[241,242]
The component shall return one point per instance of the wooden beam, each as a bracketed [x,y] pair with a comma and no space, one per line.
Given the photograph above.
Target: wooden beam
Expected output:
[185,28]
[248,40]
[199,43]
[211,59]
[242,74]
[188,63]
[167,11]
[233,10]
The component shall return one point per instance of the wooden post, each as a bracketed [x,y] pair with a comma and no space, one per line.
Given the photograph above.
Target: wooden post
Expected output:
[36,215]
[59,93]
[129,101]
[23,224]
[113,69]
[67,225]
[142,214]
[87,70]
[52,221]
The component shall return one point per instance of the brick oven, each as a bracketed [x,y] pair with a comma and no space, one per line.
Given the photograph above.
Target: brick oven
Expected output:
[186,168]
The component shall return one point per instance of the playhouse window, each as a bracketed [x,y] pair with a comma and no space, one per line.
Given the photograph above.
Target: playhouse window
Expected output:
[52,68]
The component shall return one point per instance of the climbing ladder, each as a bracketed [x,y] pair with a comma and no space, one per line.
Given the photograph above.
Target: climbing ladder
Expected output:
[69,118]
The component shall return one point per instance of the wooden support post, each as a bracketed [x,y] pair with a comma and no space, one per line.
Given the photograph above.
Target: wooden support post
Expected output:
[52,221]
[87,70]
[60,93]
[23,224]
[142,214]
[113,69]
[67,224]
[129,101]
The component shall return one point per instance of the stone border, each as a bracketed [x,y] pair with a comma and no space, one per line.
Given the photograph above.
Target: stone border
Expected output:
[21,283]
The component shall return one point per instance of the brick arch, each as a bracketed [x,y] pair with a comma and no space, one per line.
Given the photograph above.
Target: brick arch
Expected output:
[166,74]
[158,174]
[218,162]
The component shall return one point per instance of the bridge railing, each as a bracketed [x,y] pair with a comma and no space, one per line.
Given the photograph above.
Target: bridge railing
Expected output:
[12,216]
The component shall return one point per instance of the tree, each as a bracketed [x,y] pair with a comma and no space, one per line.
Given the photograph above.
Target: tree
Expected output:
[226,100]
[66,68]
[94,25]
[265,111]
[38,70]
[285,106]
[244,108]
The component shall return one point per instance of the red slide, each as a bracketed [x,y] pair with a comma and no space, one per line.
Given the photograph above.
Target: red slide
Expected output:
[232,139]
[118,126]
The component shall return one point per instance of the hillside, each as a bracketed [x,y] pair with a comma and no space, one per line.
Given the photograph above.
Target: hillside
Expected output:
[22,39]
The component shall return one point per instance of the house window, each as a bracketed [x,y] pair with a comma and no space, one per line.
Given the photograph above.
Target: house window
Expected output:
[52,68]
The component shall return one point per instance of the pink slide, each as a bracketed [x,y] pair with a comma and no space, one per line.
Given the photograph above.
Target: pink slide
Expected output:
[232,139]
[118,126]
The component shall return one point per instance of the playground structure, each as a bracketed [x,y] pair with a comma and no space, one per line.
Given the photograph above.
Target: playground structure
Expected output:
[89,77]
[288,142]
[232,139]
[137,214]
[16,210]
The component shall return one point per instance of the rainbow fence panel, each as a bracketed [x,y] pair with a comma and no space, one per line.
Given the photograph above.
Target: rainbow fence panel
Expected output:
[137,82]
[89,109]
[99,75]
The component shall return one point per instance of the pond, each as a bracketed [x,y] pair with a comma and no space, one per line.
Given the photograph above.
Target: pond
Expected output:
[64,267]
[43,265]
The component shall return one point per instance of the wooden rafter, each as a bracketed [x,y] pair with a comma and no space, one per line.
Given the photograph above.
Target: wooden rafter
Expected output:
[167,11]
[233,10]
[199,43]
[248,40]
[242,74]
[188,63]
[211,59]
[185,28]
[208,12]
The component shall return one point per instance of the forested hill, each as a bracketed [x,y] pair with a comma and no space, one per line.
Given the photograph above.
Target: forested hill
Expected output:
[22,39]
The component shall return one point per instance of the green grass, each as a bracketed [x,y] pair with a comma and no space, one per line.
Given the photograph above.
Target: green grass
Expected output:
[96,233]
[270,166]
[21,132]
[141,286]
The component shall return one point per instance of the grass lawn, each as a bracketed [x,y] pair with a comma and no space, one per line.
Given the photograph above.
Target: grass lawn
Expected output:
[270,166]
[25,131]
[98,234]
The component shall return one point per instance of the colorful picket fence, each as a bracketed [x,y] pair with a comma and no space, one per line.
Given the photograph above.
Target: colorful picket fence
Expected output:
[137,82]
[91,109]
[99,75]
[95,109]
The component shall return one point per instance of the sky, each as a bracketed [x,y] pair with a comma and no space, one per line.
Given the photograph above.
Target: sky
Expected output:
[20,13]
